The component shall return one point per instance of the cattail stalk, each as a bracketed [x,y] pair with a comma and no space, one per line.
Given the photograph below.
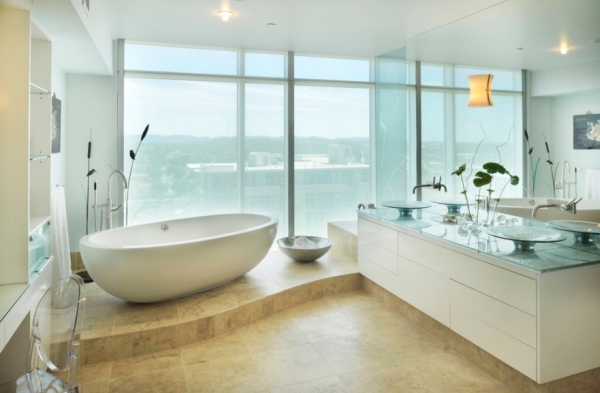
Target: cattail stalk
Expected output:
[133,156]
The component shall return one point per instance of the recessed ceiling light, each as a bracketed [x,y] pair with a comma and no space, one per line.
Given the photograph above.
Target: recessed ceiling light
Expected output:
[225,15]
[563,50]
[596,41]
[270,24]
[519,48]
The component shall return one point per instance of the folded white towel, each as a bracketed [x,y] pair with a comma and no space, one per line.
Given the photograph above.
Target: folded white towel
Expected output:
[304,243]
[592,184]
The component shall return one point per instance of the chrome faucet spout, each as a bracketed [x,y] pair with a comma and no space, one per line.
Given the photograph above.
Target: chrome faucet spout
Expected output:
[541,206]
[420,186]
[109,203]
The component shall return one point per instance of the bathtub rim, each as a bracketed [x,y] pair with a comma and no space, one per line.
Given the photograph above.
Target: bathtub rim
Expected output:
[86,240]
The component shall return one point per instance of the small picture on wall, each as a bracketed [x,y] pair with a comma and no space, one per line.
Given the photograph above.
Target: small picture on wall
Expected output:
[586,131]
[55,124]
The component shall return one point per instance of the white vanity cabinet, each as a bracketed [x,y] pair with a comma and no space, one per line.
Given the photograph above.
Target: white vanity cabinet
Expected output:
[545,325]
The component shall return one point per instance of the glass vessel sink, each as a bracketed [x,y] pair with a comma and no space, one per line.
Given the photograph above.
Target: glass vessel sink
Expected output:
[406,207]
[525,238]
[453,205]
[585,231]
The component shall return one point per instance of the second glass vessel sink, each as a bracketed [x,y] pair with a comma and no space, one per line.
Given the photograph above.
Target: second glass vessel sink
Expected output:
[585,231]
[524,237]
[453,205]
[406,207]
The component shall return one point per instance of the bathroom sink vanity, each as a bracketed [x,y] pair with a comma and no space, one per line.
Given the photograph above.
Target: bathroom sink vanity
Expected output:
[537,311]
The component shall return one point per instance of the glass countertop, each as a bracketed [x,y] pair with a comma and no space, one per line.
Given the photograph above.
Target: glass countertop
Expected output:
[546,257]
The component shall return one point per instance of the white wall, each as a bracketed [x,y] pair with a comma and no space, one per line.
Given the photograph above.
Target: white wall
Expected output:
[563,110]
[59,160]
[92,105]
[567,80]
[553,116]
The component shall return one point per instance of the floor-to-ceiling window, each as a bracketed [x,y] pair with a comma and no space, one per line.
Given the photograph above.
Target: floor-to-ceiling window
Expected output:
[219,141]
[331,141]
[220,138]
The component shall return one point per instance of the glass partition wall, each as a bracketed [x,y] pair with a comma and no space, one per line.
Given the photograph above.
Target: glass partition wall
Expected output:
[453,134]
[224,137]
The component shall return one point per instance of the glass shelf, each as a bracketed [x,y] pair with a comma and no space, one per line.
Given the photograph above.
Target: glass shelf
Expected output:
[37,158]
[35,89]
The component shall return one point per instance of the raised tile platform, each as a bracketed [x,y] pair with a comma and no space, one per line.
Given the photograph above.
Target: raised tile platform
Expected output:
[344,235]
[115,329]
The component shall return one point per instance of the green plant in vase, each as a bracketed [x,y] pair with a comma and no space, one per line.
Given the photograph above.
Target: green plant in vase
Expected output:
[486,178]
[459,172]
[481,179]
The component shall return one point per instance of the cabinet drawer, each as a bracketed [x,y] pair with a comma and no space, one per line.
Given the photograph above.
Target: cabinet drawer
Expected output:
[503,285]
[503,317]
[377,274]
[432,256]
[511,351]
[425,289]
[378,255]
[378,234]
[40,284]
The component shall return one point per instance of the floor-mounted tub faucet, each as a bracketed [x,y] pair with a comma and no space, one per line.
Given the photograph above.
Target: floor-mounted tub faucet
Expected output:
[436,186]
[109,204]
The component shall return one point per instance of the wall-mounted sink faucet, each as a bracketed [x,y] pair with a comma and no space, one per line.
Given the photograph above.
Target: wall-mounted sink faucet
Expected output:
[436,186]
[570,206]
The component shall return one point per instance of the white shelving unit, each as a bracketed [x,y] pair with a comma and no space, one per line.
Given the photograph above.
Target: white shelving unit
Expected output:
[25,149]
[40,126]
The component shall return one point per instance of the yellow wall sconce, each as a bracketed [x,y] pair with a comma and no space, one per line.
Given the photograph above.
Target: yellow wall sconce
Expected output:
[481,90]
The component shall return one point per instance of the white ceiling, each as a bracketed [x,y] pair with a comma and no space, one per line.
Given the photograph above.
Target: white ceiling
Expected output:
[362,28]
[471,32]
[540,27]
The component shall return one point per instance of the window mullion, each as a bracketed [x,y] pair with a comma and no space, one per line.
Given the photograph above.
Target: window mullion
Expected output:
[241,144]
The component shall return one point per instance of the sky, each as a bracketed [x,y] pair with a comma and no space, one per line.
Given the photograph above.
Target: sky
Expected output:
[209,108]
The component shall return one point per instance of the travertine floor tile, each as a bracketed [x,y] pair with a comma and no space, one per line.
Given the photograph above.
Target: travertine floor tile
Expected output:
[247,295]
[326,326]
[288,366]
[275,332]
[375,317]
[499,388]
[205,304]
[449,373]
[139,313]
[165,381]
[146,363]
[96,387]
[225,346]
[96,372]
[225,375]
[254,278]
[323,385]
[316,307]
[352,353]
[406,342]
[383,380]
[353,300]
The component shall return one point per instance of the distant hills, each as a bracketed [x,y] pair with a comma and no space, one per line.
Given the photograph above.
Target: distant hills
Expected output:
[133,139]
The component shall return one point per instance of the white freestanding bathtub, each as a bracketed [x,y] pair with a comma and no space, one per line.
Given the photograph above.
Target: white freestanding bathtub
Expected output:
[587,209]
[154,262]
